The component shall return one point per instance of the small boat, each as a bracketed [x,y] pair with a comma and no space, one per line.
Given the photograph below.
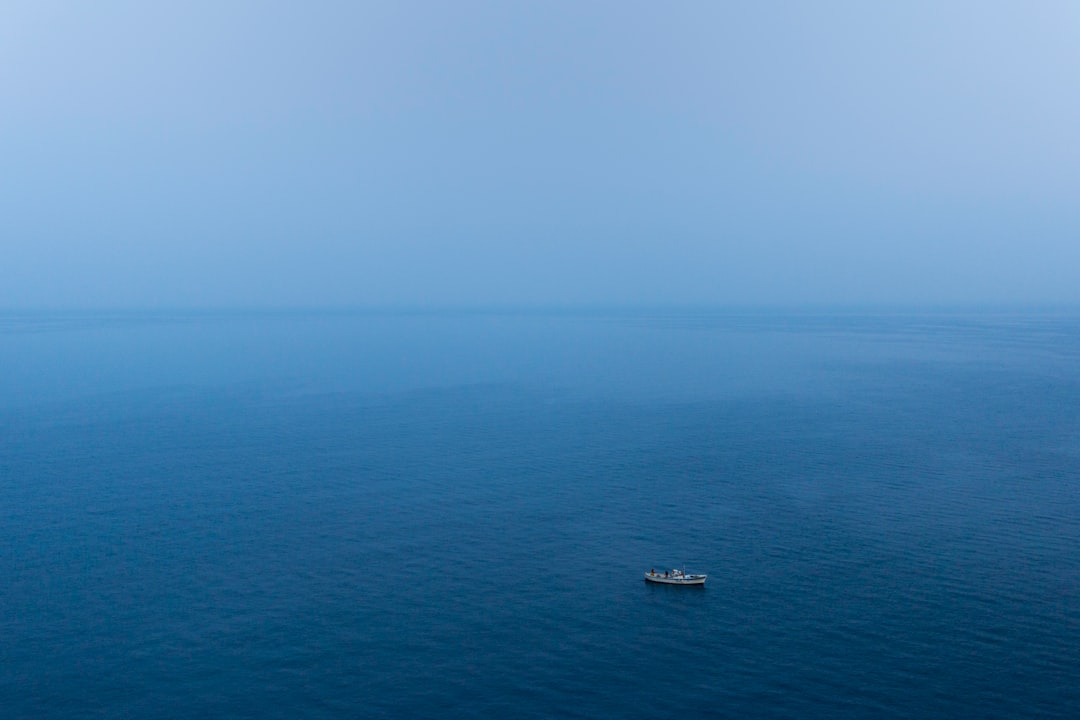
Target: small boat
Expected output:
[674,577]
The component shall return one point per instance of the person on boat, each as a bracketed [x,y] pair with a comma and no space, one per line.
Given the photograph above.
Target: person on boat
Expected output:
[665,573]
[653,571]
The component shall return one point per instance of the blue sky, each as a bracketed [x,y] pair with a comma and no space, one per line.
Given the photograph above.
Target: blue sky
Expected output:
[557,153]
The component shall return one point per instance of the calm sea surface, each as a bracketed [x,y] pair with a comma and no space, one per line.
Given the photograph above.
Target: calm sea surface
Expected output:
[443,516]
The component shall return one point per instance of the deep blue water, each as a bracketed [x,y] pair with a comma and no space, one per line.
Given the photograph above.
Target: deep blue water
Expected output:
[448,515]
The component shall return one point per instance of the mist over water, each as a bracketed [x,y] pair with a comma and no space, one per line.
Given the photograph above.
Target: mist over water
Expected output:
[335,153]
[448,514]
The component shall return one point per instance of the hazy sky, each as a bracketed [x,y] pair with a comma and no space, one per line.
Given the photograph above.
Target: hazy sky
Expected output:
[425,153]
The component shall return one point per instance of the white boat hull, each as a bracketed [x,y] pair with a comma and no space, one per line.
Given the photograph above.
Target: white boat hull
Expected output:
[675,579]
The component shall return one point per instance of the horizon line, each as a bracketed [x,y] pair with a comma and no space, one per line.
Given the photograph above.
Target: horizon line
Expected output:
[503,308]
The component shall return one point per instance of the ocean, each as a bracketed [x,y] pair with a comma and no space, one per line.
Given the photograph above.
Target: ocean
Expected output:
[449,514]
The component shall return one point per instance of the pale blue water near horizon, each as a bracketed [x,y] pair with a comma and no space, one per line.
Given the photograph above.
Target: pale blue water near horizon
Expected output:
[336,515]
